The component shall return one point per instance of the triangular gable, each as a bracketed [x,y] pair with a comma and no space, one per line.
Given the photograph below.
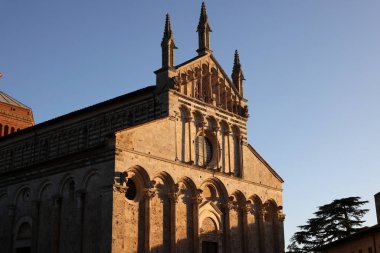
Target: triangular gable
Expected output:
[274,173]
[190,66]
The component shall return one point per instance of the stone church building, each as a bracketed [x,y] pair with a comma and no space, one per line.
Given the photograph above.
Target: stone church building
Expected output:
[166,168]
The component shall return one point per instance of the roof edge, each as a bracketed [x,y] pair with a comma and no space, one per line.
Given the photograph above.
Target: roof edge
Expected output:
[266,163]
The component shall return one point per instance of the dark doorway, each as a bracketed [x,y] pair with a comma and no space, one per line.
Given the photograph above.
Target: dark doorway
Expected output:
[23,250]
[209,247]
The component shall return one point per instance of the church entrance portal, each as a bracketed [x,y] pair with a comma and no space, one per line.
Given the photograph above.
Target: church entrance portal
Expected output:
[23,250]
[209,247]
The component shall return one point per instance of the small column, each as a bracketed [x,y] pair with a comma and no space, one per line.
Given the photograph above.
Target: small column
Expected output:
[245,211]
[36,226]
[58,219]
[107,199]
[81,195]
[190,160]
[148,195]
[280,231]
[210,86]
[174,119]
[217,134]
[261,220]
[173,198]
[228,160]
[11,214]
[196,201]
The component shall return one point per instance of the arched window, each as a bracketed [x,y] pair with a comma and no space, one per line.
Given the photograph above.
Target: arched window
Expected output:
[203,150]
[12,130]
[1,130]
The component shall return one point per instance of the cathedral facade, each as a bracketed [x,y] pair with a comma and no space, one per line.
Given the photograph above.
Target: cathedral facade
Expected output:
[163,169]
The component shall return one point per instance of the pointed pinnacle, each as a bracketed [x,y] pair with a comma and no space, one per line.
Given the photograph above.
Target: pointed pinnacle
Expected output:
[236,59]
[203,12]
[168,27]
[203,19]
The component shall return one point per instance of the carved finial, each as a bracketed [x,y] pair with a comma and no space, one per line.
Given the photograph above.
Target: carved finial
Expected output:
[203,17]
[168,45]
[237,60]
[168,28]
[237,73]
[1,75]
[203,30]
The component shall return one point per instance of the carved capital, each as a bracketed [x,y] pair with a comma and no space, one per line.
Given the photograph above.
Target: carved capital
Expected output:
[121,178]
[198,199]
[231,204]
[150,193]
[262,213]
[249,208]
[120,188]
[281,216]
[173,197]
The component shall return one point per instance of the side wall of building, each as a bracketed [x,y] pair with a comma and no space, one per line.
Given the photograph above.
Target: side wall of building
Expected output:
[64,212]
[369,243]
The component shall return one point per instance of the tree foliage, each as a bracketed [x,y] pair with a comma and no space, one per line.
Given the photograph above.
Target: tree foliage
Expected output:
[333,221]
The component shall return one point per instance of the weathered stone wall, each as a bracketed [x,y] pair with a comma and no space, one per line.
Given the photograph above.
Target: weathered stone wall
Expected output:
[179,195]
[365,243]
[67,212]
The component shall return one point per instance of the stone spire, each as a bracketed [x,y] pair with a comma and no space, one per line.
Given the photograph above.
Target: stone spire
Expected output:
[168,45]
[237,74]
[203,32]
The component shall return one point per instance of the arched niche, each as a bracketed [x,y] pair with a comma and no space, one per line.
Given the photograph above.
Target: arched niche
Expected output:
[185,208]
[237,221]
[255,230]
[271,228]
[161,215]
[22,241]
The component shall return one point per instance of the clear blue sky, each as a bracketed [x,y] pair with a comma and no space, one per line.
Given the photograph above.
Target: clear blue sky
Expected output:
[312,70]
